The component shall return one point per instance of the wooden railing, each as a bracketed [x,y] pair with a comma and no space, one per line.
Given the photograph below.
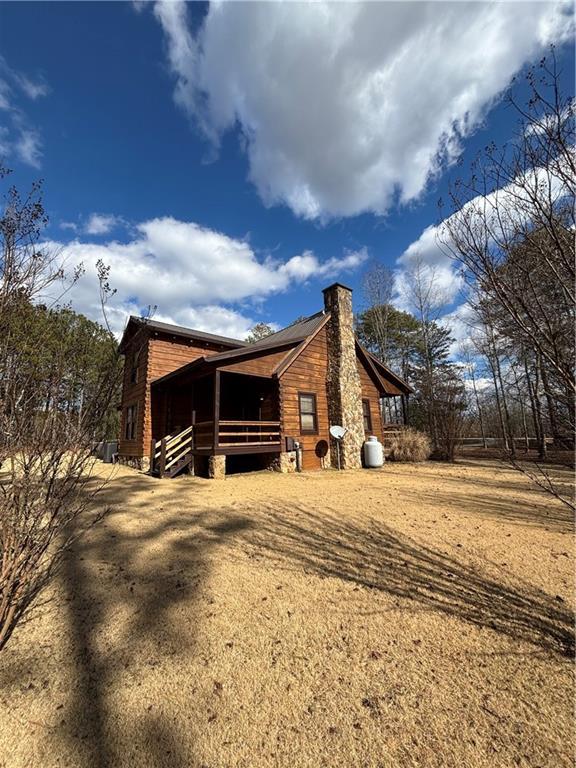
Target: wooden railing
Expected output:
[239,433]
[204,434]
[169,452]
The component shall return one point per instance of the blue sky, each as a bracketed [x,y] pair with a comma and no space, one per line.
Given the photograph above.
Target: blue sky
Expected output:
[229,163]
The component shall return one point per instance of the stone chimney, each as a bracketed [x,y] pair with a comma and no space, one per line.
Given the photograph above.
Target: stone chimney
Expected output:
[344,388]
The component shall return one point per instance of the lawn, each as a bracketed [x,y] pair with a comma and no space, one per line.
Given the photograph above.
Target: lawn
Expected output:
[414,616]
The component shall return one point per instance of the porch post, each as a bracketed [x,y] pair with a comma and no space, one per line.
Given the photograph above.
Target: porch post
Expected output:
[406,409]
[216,409]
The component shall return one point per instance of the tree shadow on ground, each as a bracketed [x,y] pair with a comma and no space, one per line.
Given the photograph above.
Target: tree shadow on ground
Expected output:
[375,556]
[551,516]
[470,494]
[139,574]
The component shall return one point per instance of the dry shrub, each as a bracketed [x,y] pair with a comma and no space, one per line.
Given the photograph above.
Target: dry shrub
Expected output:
[410,445]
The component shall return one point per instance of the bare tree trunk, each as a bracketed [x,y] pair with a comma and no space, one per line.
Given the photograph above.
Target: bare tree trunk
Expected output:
[524,426]
[498,403]
[542,449]
[532,397]
[478,407]
[551,406]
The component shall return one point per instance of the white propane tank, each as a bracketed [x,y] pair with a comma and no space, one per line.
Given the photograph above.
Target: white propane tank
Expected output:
[373,452]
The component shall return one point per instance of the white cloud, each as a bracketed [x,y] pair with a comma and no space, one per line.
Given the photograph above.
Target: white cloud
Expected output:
[195,276]
[33,89]
[501,215]
[345,107]
[483,385]
[18,138]
[307,265]
[28,147]
[101,223]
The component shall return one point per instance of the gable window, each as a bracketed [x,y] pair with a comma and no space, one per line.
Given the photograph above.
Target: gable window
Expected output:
[367,416]
[130,423]
[134,368]
[308,413]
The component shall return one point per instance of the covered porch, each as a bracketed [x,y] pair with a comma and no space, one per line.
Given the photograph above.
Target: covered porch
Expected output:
[200,413]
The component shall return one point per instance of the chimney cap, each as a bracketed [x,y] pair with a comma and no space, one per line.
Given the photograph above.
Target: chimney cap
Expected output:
[337,285]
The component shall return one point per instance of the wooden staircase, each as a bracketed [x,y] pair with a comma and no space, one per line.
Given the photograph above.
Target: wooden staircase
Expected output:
[172,454]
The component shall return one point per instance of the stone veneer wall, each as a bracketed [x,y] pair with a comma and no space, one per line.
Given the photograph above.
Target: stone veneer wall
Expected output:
[286,462]
[216,467]
[343,384]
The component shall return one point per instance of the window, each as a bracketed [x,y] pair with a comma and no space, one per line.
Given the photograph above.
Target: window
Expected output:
[367,415]
[130,423]
[134,368]
[308,414]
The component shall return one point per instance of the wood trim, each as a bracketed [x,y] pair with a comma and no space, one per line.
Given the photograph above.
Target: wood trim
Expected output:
[315,414]
[376,378]
[224,451]
[133,422]
[395,380]
[295,354]
[216,407]
[250,423]
[224,369]
[366,402]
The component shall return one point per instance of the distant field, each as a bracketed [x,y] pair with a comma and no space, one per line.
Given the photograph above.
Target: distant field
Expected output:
[414,616]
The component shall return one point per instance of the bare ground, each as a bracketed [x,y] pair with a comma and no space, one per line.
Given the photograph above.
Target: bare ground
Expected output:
[416,616]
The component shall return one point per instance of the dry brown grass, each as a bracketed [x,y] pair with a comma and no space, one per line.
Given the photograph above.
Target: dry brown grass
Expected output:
[410,445]
[414,616]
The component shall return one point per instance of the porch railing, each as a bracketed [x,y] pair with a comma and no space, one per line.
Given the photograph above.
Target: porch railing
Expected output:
[204,434]
[238,433]
[201,436]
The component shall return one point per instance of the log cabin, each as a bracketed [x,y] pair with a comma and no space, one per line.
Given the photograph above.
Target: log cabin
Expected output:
[208,405]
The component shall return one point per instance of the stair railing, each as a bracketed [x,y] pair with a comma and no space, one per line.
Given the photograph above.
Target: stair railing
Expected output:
[169,450]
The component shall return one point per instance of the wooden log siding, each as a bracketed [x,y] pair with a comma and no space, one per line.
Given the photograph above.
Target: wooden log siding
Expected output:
[134,394]
[161,354]
[370,392]
[263,365]
[306,374]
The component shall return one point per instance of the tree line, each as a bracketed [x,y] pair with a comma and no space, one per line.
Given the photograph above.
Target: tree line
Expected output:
[509,231]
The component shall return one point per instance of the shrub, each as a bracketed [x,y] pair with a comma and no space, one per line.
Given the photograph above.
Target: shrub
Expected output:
[410,445]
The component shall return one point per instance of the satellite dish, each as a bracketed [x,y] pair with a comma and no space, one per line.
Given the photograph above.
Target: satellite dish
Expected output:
[338,432]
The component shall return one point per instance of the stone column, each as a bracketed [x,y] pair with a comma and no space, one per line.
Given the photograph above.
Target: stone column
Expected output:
[216,467]
[287,462]
[343,384]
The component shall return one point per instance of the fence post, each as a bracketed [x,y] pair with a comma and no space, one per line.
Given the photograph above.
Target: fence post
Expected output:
[152,452]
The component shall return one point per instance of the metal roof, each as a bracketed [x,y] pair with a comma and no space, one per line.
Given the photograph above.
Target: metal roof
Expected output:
[295,332]
[180,330]
[286,336]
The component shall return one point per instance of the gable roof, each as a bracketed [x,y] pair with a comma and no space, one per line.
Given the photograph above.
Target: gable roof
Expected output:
[291,335]
[295,332]
[294,338]
[288,338]
[177,330]
[382,374]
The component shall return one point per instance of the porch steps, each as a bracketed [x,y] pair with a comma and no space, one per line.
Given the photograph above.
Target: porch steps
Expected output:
[172,454]
[175,469]
[181,464]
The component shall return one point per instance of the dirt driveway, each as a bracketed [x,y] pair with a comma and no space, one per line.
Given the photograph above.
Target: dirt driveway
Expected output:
[414,616]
